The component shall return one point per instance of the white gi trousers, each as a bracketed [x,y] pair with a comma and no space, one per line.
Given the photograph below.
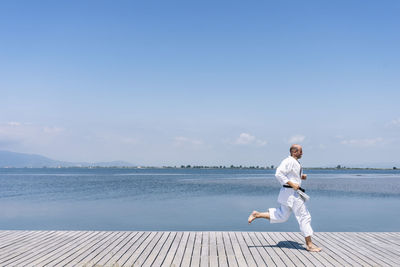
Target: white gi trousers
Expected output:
[297,205]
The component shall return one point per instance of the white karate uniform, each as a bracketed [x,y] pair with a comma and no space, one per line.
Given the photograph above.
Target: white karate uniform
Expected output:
[290,170]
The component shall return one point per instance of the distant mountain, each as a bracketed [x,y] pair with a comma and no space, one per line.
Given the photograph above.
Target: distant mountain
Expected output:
[21,160]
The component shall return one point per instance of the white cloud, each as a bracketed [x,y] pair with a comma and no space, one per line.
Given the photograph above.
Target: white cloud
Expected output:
[261,143]
[394,123]
[247,139]
[365,142]
[296,139]
[13,123]
[10,130]
[31,135]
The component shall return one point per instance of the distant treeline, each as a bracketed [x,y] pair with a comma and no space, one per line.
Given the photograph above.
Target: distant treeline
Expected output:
[221,167]
[338,167]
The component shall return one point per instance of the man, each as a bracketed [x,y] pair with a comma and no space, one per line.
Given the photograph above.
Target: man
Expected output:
[290,174]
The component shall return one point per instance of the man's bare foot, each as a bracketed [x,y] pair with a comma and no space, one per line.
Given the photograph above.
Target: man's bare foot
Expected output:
[252,216]
[313,248]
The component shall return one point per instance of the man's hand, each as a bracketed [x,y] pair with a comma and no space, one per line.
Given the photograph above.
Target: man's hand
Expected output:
[303,176]
[293,185]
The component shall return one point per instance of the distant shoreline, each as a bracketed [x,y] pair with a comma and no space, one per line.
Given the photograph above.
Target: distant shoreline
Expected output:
[9,159]
[198,167]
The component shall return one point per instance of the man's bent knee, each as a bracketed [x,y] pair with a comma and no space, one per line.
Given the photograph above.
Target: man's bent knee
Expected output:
[279,215]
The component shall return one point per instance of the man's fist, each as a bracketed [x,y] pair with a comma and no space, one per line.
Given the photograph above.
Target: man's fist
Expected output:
[295,186]
[304,176]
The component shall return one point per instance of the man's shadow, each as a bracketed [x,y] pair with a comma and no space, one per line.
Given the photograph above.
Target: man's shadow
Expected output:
[283,244]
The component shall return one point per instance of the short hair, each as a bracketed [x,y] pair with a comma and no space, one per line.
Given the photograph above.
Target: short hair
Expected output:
[293,149]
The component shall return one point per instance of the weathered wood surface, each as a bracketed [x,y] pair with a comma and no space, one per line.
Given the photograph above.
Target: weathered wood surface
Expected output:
[121,248]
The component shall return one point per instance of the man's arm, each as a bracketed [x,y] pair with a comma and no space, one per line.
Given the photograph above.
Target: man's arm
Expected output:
[282,172]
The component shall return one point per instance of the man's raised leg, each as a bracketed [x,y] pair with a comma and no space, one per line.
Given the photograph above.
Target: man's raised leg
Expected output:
[255,215]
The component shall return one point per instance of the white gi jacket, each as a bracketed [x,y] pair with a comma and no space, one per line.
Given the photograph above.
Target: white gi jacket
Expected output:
[289,170]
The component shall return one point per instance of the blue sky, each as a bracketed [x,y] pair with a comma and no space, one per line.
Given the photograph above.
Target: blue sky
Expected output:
[201,82]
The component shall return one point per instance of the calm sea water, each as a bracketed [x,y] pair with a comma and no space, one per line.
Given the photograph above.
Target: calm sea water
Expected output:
[191,199]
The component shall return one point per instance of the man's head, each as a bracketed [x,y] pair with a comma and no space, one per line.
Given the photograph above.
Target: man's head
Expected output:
[296,151]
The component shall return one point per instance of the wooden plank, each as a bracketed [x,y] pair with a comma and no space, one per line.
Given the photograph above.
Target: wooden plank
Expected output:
[180,250]
[167,262]
[260,256]
[248,257]
[237,250]
[116,252]
[45,248]
[390,241]
[59,250]
[332,255]
[70,249]
[14,235]
[17,238]
[335,251]
[205,250]
[318,256]
[20,248]
[323,254]
[187,256]
[112,259]
[164,250]
[25,251]
[339,246]
[393,237]
[149,242]
[348,242]
[273,248]
[87,259]
[222,259]
[266,248]
[332,259]
[80,249]
[394,234]
[294,249]
[300,249]
[195,262]
[109,248]
[230,254]
[153,253]
[87,252]
[213,249]
[383,248]
[4,234]
[370,252]
[384,236]
[133,246]
[289,250]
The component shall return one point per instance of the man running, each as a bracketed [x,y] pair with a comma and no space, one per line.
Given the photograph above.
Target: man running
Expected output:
[289,174]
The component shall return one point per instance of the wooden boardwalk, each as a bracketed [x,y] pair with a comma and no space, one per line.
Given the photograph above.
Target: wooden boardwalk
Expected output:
[119,248]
